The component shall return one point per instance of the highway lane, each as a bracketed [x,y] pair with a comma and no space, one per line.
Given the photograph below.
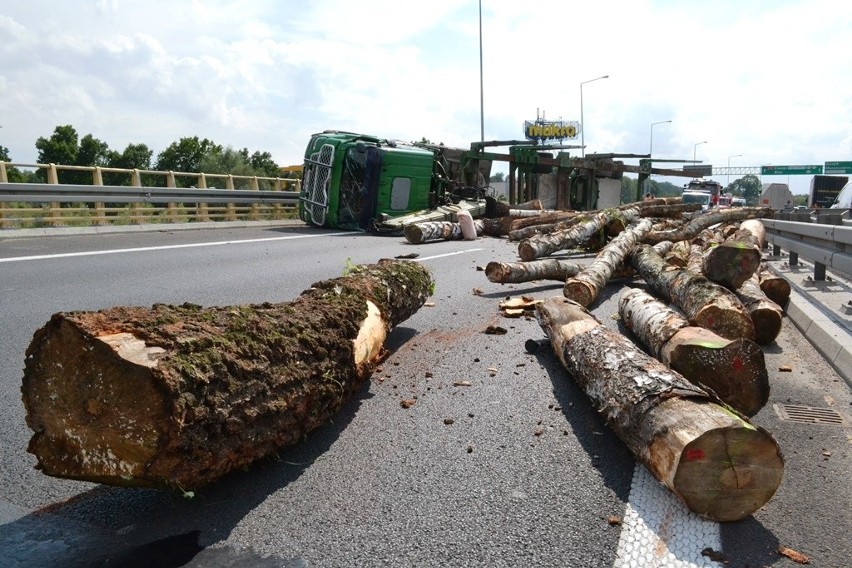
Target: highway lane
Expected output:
[526,474]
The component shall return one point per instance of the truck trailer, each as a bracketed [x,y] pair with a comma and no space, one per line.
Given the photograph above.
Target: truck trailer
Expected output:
[825,189]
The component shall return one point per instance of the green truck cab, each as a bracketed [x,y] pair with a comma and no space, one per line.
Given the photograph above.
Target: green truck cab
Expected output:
[352,179]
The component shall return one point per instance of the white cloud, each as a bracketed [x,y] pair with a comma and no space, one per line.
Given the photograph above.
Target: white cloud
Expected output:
[766,80]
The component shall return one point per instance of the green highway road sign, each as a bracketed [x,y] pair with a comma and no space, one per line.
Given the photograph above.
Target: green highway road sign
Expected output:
[790,170]
[838,167]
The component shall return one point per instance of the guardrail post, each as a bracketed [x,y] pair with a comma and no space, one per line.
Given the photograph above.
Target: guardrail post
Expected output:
[794,258]
[100,213]
[4,178]
[231,210]
[54,209]
[136,208]
[819,271]
[201,213]
[171,208]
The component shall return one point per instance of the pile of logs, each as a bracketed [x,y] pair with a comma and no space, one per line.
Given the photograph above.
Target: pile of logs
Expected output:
[705,308]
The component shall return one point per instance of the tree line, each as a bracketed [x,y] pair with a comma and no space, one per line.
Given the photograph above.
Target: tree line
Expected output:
[189,154]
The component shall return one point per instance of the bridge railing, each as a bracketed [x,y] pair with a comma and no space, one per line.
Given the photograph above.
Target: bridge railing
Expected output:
[55,204]
[826,245]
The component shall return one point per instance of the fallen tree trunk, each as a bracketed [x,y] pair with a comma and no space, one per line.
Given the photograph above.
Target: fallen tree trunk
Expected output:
[705,304]
[543,245]
[177,396]
[733,261]
[689,230]
[720,465]
[766,315]
[544,269]
[585,286]
[775,287]
[735,370]
[419,233]
[510,224]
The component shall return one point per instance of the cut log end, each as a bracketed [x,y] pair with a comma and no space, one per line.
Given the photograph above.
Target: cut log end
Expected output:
[767,320]
[581,292]
[727,474]
[98,411]
[727,322]
[734,370]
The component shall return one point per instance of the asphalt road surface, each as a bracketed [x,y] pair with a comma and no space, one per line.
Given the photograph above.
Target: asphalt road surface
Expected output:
[516,469]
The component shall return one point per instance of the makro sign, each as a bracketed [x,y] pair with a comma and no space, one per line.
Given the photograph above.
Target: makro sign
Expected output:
[541,130]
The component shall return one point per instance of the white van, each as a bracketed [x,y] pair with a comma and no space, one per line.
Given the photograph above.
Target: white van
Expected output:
[844,198]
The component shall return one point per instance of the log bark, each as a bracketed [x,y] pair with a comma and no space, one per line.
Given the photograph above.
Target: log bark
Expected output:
[543,245]
[776,288]
[510,224]
[543,269]
[735,370]
[689,230]
[419,233]
[705,304]
[585,286]
[766,315]
[178,396]
[720,465]
[678,255]
[733,261]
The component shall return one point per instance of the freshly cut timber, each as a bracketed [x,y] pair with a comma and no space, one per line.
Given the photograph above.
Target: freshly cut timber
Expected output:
[775,287]
[705,304]
[733,261]
[585,286]
[766,315]
[735,370]
[543,269]
[688,230]
[668,209]
[418,233]
[720,465]
[678,255]
[178,396]
[543,245]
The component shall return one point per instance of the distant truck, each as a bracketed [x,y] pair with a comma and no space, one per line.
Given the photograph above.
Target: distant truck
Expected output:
[825,189]
[706,192]
[776,196]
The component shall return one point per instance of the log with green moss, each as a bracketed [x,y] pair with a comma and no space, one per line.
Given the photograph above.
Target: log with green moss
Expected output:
[178,396]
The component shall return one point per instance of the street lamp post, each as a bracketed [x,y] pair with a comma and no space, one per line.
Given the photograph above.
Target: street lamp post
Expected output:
[481,87]
[582,123]
[651,147]
[695,147]
[651,152]
[728,180]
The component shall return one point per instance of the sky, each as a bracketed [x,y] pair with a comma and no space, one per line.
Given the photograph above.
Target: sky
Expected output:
[743,82]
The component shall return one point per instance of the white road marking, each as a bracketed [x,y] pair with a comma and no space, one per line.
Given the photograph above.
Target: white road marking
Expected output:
[658,530]
[446,254]
[164,247]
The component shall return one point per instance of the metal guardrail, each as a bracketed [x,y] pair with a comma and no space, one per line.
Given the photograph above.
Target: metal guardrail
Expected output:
[824,245]
[49,193]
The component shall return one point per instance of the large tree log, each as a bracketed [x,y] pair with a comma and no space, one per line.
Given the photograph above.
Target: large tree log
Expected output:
[776,288]
[177,396]
[733,261]
[585,286]
[419,233]
[543,269]
[716,461]
[705,304]
[735,370]
[693,227]
[543,245]
[766,315]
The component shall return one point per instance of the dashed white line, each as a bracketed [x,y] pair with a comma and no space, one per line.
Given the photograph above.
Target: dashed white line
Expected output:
[658,530]
[164,247]
[447,254]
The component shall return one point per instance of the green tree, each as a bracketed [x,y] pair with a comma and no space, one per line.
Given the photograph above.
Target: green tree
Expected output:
[13,174]
[61,148]
[134,156]
[186,155]
[498,177]
[263,164]
[748,187]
